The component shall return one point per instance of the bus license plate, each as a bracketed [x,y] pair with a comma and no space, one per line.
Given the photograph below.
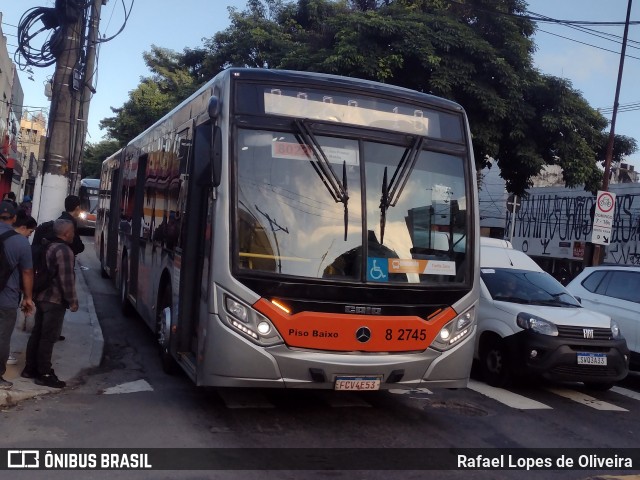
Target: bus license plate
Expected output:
[592,359]
[357,383]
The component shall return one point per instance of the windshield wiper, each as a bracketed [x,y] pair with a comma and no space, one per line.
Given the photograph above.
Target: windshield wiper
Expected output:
[337,188]
[391,192]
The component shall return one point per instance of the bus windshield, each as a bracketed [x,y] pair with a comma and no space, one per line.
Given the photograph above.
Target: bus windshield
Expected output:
[369,212]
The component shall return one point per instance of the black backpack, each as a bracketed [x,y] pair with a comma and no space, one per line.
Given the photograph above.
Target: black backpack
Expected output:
[43,276]
[5,267]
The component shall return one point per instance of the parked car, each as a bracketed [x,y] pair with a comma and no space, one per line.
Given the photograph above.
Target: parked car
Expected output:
[615,291]
[528,323]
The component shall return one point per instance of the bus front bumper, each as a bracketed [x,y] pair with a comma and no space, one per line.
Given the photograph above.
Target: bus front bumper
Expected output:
[280,366]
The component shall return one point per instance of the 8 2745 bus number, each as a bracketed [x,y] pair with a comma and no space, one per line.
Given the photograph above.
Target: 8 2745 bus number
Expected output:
[406,334]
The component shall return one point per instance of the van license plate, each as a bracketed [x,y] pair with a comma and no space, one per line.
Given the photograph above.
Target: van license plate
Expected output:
[357,383]
[592,359]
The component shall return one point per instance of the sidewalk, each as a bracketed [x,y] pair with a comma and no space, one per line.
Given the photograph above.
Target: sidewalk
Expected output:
[81,349]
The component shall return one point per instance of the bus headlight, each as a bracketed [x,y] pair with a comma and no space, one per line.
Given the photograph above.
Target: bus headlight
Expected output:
[248,322]
[456,330]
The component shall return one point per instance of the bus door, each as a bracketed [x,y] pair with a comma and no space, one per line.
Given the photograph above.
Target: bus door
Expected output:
[136,225]
[111,220]
[194,193]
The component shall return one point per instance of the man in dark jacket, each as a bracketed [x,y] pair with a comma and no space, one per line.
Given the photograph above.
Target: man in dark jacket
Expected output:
[71,212]
[51,306]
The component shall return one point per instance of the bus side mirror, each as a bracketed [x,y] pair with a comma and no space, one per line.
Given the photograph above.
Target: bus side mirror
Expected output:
[213,108]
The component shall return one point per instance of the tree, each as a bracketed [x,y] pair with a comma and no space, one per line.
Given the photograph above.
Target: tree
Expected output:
[475,52]
[95,154]
[175,77]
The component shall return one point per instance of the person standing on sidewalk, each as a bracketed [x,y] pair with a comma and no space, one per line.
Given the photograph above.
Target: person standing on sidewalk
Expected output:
[25,225]
[71,212]
[51,306]
[18,254]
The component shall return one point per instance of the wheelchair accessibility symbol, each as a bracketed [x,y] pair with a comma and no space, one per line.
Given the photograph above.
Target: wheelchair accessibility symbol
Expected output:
[377,269]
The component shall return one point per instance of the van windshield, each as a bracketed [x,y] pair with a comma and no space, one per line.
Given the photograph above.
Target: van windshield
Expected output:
[525,286]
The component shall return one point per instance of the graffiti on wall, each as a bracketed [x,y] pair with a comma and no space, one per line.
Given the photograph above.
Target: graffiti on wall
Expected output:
[559,225]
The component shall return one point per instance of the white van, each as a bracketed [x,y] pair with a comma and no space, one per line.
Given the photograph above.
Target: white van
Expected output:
[529,323]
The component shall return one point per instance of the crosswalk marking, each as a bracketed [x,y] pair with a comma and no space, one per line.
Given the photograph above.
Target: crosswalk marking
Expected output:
[626,392]
[585,399]
[506,397]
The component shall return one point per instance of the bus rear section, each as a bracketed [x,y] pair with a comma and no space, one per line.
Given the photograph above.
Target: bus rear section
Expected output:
[288,229]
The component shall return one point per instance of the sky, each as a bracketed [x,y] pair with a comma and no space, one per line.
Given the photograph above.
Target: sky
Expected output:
[589,60]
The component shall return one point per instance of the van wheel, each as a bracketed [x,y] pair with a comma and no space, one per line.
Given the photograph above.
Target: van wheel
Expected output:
[125,304]
[169,365]
[599,387]
[495,363]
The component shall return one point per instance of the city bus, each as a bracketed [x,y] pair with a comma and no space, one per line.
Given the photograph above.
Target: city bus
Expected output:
[300,230]
[88,194]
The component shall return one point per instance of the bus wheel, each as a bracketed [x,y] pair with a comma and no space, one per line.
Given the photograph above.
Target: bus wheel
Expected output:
[495,362]
[169,364]
[125,304]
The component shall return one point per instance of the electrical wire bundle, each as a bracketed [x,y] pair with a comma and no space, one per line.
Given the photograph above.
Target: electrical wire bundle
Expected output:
[28,29]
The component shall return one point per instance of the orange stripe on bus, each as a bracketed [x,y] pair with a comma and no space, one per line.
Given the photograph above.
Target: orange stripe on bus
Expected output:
[337,331]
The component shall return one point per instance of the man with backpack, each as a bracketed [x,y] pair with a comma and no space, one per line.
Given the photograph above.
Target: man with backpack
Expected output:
[15,263]
[71,212]
[52,303]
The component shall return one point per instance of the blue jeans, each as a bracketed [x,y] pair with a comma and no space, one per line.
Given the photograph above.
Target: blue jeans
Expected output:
[8,318]
[46,330]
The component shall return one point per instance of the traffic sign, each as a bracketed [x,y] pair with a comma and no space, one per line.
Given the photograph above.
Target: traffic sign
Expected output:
[603,218]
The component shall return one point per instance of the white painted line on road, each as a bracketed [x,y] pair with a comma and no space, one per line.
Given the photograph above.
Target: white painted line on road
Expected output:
[506,397]
[587,400]
[130,387]
[626,392]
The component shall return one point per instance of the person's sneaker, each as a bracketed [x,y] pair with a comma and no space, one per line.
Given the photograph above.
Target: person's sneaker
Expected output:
[50,380]
[5,384]
[28,373]
[12,360]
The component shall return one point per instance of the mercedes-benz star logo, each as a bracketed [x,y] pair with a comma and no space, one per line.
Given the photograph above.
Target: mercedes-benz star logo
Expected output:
[363,334]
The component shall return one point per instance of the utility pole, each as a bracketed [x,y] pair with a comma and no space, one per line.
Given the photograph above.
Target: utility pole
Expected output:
[54,184]
[72,88]
[609,154]
[87,89]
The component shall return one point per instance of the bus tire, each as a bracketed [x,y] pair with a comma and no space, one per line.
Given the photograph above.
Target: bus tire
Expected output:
[125,304]
[164,316]
[494,362]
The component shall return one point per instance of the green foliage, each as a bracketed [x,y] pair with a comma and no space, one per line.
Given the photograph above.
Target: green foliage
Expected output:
[95,154]
[475,52]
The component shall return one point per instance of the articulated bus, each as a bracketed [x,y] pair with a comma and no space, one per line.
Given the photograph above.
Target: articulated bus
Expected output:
[295,229]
